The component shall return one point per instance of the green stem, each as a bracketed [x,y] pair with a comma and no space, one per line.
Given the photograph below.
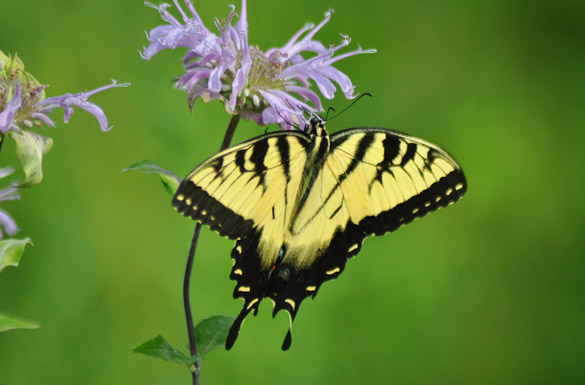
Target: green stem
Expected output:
[229,134]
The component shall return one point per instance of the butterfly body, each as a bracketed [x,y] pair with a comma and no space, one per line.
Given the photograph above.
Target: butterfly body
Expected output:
[299,204]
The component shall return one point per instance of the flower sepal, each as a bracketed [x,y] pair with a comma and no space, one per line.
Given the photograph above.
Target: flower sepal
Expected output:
[30,149]
[13,68]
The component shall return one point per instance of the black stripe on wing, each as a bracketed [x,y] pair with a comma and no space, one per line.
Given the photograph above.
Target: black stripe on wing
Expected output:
[442,193]
[200,206]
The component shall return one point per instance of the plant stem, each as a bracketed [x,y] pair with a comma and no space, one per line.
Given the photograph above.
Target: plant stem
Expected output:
[187,302]
[229,134]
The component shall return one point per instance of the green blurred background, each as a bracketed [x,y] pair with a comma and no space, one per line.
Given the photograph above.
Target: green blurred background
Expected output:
[488,291]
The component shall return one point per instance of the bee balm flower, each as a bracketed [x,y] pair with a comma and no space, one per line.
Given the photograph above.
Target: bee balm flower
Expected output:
[269,87]
[23,103]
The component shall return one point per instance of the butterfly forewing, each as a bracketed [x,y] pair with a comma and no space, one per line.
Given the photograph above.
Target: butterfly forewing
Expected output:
[244,187]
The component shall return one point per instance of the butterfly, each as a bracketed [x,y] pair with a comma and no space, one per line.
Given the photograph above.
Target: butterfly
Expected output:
[300,203]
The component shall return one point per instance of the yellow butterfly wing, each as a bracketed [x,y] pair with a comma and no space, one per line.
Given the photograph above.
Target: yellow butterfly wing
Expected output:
[372,181]
[247,193]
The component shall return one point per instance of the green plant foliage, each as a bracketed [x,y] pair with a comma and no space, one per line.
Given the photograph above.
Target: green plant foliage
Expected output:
[211,333]
[158,347]
[11,251]
[7,323]
[169,180]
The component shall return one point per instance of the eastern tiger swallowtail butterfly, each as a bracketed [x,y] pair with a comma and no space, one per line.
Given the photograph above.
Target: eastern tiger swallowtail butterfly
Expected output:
[299,204]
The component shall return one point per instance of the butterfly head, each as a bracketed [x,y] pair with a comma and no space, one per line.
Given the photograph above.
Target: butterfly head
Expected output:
[316,126]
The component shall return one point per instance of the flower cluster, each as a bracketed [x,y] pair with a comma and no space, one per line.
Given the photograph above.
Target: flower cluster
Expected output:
[255,84]
[23,103]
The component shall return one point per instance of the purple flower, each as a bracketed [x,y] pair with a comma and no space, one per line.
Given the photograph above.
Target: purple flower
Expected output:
[8,193]
[267,87]
[68,101]
[23,103]
[8,113]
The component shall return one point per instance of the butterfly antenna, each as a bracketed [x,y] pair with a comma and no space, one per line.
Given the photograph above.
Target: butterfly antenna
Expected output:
[330,109]
[348,107]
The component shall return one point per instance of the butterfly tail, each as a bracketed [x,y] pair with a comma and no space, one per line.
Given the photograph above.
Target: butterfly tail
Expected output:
[236,326]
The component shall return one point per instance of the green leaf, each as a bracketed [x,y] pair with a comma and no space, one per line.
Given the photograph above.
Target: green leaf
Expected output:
[11,251]
[11,323]
[158,347]
[211,333]
[30,148]
[170,181]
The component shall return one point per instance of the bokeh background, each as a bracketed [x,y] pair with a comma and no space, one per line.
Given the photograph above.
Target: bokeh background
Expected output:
[488,291]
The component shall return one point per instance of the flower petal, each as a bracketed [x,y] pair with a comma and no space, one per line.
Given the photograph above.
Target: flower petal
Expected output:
[191,34]
[306,94]
[68,101]
[242,24]
[8,223]
[293,48]
[7,116]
